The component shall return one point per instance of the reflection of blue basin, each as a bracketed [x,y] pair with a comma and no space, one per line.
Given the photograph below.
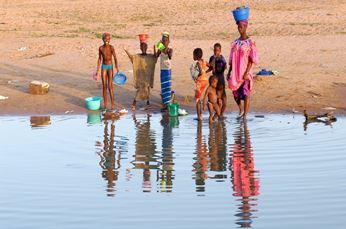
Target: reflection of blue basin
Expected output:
[94,118]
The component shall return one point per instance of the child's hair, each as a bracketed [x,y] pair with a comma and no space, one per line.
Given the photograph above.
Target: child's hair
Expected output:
[217,45]
[104,35]
[212,78]
[198,53]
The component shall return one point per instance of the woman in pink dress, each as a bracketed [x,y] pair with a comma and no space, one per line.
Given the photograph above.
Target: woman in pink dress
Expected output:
[240,79]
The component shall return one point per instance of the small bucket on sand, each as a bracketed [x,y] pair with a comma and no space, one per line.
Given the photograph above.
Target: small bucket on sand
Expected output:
[93,103]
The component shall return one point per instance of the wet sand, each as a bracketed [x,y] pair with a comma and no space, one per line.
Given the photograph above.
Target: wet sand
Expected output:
[304,40]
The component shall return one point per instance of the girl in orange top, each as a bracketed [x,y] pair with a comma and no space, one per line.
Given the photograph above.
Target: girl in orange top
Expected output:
[201,80]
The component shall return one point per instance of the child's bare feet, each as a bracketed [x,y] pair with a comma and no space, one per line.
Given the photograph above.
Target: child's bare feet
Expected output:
[215,118]
[147,106]
[103,106]
[211,120]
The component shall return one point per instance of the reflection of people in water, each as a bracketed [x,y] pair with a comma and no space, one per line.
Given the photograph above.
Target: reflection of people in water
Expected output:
[200,167]
[39,121]
[109,163]
[145,157]
[218,147]
[166,174]
[245,184]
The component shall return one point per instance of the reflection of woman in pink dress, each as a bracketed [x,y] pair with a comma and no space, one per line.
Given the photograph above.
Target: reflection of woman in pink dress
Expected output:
[245,178]
[242,57]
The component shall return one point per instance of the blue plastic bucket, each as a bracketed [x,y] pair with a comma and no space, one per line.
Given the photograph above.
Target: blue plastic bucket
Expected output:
[240,14]
[120,78]
[93,103]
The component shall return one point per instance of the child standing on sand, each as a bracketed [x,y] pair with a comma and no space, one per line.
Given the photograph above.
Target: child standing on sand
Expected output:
[212,99]
[240,79]
[166,70]
[143,73]
[218,66]
[106,53]
[201,80]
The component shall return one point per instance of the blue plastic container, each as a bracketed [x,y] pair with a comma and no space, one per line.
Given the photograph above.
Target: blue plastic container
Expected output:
[120,78]
[240,14]
[265,72]
[93,103]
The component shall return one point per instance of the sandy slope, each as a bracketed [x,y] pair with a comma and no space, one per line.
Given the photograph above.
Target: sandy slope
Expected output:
[304,40]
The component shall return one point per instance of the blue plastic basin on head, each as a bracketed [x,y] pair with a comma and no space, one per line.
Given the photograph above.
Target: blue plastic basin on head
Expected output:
[241,13]
[120,78]
[93,103]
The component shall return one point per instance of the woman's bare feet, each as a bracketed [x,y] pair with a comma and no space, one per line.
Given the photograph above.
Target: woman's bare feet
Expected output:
[241,114]
[133,107]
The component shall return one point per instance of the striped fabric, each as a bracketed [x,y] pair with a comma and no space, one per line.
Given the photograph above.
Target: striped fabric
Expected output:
[166,86]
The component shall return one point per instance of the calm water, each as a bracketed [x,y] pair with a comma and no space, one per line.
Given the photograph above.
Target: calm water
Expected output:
[158,172]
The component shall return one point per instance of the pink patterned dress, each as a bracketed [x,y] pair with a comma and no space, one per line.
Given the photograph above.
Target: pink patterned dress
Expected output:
[241,52]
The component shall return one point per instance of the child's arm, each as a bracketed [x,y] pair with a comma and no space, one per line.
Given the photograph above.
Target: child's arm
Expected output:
[155,52]
[158,53]
[170,53]
[99,61]
[229,72]
[199,69]
[210,64]
[204,99]
[224,63]
[209,67]
[129,55]
[115,60]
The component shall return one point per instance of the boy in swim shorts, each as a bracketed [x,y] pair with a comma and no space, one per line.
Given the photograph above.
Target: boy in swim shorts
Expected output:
[106,53]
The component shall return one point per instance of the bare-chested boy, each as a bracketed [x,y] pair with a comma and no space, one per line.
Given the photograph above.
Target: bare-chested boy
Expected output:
[212,99]
[106,53]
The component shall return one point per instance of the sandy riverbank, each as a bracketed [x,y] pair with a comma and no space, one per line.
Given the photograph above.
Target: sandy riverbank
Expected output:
[306,44]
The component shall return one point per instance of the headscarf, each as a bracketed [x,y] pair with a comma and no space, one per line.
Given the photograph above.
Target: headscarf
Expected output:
[243,22]
[165,34]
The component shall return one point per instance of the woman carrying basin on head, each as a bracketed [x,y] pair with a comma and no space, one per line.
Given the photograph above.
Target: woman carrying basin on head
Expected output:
[240,78]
